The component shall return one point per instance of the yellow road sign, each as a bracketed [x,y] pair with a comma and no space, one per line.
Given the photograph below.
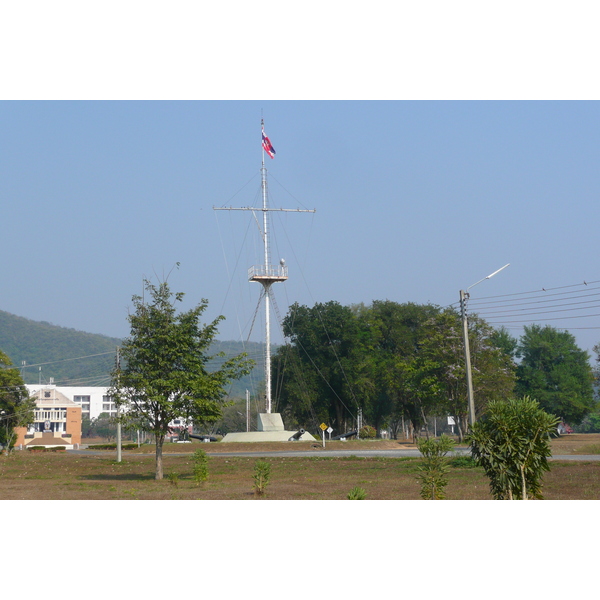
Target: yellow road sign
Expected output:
[323,426]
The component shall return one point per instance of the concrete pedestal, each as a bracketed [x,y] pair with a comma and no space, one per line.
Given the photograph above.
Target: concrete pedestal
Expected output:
[270,429]
[269,422]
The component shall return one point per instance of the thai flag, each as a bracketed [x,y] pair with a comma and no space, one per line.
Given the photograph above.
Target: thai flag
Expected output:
[266,144]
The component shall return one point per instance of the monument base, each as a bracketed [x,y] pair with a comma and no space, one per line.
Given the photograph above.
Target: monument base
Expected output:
[270,429]
[265,436]
[269,422]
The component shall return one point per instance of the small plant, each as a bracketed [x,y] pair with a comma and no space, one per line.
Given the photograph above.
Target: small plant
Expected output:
[200,466]
[262,475]
[435,466]
[463,462]
[357,493]
[173,478]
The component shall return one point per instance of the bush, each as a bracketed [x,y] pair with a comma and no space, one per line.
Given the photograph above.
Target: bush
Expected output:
[367,432]
[200,466]
[357,493]
[463,462]
[435,466]
[262,475]
[113,446]
[512,443]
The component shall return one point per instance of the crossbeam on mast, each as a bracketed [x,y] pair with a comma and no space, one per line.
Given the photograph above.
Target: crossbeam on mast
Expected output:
[253,208]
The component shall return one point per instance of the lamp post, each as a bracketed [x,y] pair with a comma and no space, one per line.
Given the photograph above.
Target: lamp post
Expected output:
[464,295]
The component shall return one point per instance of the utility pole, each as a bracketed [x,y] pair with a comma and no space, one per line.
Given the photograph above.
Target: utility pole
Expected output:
[465,324]
[247,410]
[358,423]
[119,454]
[464,296]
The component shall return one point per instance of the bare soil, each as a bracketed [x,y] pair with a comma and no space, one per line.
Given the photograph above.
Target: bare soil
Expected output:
[66,476]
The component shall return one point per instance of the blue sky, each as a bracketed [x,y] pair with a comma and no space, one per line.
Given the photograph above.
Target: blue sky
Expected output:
[414,200]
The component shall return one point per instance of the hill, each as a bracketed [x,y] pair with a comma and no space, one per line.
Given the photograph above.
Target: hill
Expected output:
[68,357]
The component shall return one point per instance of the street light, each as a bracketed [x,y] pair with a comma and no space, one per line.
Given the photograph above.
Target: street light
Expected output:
[464,294]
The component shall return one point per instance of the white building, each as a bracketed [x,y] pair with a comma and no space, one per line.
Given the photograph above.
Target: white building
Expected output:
[93,400]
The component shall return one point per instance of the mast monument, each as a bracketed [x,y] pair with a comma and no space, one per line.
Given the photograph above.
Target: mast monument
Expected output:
[267,274]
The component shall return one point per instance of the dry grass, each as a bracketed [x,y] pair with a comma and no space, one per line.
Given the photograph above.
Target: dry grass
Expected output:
[65,476]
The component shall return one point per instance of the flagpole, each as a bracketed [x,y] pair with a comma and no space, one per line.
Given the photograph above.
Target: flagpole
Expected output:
[266,283]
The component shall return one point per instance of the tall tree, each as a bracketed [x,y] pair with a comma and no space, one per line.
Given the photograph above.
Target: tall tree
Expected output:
[398,335]
[328,349]
[438,369]
[401,333]
[16,407]
[556,372]
[164,376]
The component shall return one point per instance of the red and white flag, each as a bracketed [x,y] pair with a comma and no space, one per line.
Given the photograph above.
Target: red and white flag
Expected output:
[266,144]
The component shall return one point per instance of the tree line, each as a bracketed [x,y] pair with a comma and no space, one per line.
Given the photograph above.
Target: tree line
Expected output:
[404,363]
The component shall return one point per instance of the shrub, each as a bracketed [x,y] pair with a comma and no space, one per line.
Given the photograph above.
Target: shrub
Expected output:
[262,475]
[200,466]
[357,493]
[113,446]
[512,443]
[367,432]
[435,466]
[462,462]
[45,449]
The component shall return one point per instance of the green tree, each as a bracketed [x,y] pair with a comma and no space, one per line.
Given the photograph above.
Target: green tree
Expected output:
[556,372]
[437,371]
[399,332]
[502,339]
[328,355]
[512,443]
[16,407]
[590,424]
[105,426]
[164,376]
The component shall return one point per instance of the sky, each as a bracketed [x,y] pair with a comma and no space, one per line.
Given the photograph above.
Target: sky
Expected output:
[413,200]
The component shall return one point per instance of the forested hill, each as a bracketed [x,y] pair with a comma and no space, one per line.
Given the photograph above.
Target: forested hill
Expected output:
[77,358]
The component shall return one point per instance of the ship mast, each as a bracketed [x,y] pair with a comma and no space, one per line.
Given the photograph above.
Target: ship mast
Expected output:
[267,274]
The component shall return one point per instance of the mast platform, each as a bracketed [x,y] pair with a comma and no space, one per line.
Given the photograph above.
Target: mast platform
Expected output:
[270,274]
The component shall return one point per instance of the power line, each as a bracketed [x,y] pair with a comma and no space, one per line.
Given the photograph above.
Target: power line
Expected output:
[59,361]
[539,312]
[562,287]
[551,319]
[535,299]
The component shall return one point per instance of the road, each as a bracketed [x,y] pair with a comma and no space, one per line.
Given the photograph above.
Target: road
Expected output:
[345,453]
[381,453]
